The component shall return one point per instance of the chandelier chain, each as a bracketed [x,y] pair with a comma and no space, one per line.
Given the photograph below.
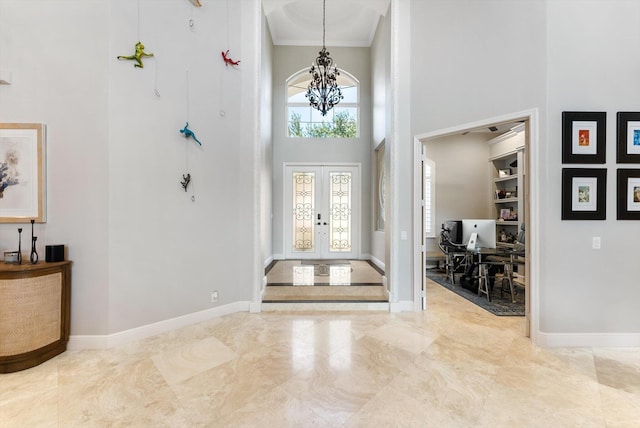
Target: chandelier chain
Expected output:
[323,92]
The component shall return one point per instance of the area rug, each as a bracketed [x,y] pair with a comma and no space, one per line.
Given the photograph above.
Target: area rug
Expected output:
[499,305]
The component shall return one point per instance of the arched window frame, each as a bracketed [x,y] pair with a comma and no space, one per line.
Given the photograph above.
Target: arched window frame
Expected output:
[298,83]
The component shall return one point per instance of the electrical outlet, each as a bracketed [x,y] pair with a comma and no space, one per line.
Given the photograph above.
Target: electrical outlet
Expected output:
[214,297]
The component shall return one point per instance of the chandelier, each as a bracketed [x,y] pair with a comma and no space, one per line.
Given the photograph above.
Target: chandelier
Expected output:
[323,91]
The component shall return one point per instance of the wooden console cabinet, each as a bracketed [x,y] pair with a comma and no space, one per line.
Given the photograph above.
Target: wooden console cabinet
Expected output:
[35,301]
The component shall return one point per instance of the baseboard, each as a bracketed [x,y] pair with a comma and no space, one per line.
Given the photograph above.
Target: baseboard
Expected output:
[589,340]
[402,306]
[268,262]
[278,257]
[77,342]
[378,263]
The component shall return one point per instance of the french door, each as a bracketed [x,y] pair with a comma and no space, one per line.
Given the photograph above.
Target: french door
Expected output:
[321,211]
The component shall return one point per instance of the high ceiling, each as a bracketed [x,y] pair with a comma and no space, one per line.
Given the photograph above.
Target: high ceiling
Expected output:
[348,22]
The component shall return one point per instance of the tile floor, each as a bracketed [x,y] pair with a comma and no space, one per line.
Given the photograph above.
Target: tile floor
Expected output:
[454,365]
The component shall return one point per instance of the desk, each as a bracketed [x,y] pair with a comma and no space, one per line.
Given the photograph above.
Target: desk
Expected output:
[487,257]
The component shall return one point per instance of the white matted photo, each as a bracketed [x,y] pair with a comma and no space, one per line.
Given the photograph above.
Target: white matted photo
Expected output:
[633,138]
[584,195]
[633,194]
[22,172]
[584,139]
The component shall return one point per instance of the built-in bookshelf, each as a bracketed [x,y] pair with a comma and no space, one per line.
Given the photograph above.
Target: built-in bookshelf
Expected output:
[506,157]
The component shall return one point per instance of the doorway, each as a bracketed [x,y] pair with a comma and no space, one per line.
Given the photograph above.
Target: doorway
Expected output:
[530,120]
[322,209]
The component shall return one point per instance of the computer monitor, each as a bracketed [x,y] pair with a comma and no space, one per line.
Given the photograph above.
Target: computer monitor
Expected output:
[485,230]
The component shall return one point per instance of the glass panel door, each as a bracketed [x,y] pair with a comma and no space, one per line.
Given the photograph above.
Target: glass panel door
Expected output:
[320,207]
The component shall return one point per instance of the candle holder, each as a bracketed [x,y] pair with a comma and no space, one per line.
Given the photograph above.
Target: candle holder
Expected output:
[34,254]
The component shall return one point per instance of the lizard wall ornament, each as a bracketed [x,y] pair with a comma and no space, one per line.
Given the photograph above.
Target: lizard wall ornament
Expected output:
[189,133]
[228,61]
[137,57]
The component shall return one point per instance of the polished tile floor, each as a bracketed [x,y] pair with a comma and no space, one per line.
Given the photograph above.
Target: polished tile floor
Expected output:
[454,365]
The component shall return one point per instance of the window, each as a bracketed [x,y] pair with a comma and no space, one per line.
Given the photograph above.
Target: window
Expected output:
[429,168]
[303,121]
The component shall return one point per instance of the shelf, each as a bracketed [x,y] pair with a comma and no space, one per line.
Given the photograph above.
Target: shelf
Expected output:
[507,178]
[505,200]
[507,222]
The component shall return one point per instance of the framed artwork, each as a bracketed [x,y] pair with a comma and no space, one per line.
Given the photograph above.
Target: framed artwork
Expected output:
[584,193]
[628,194]
[628,137]
[584,137]
[22,172]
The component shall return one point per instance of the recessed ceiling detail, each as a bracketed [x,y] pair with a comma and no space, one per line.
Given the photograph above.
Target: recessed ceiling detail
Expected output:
[299,22]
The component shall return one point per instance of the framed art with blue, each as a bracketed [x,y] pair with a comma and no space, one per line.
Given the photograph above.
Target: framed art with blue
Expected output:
[628,147]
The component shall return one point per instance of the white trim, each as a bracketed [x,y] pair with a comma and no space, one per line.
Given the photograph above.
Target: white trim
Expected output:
[592,340]
[268,261]
[534,203]
[402,306]
[77,342]
[377,262]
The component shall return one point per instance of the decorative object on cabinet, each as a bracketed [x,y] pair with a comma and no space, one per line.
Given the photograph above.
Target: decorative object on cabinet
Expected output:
[19,246]
[628,194]
[33,257]
[628,124]
[54,253]
[584,137]
[196,3]
[35,301]
[22,172]
[584,193]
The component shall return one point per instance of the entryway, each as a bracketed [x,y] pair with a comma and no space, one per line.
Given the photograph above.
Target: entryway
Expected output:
[324,281]
[322,206]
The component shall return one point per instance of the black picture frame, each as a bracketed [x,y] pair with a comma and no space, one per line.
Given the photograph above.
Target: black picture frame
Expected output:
[584,193]
[628,129]
[579,129]
[628,198]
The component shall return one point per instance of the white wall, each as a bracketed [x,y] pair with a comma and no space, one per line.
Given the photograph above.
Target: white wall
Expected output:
[266,143]
[58,53]
[462,186]
[380,85]
[589,69]
[482,59]
[143,251]
[288,60]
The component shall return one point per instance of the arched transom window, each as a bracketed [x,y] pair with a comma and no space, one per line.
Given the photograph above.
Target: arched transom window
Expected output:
[303,121]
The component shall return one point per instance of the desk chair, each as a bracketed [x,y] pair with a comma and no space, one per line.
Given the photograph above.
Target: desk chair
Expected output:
[455,254]
[516,258]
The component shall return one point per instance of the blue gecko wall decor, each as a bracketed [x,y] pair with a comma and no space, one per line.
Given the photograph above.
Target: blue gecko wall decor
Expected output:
[189,133]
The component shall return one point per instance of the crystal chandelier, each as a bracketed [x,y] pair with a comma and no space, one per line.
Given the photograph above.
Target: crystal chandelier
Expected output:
[323,91]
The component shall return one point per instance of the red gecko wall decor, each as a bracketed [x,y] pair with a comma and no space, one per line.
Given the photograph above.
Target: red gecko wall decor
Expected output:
[227,60]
